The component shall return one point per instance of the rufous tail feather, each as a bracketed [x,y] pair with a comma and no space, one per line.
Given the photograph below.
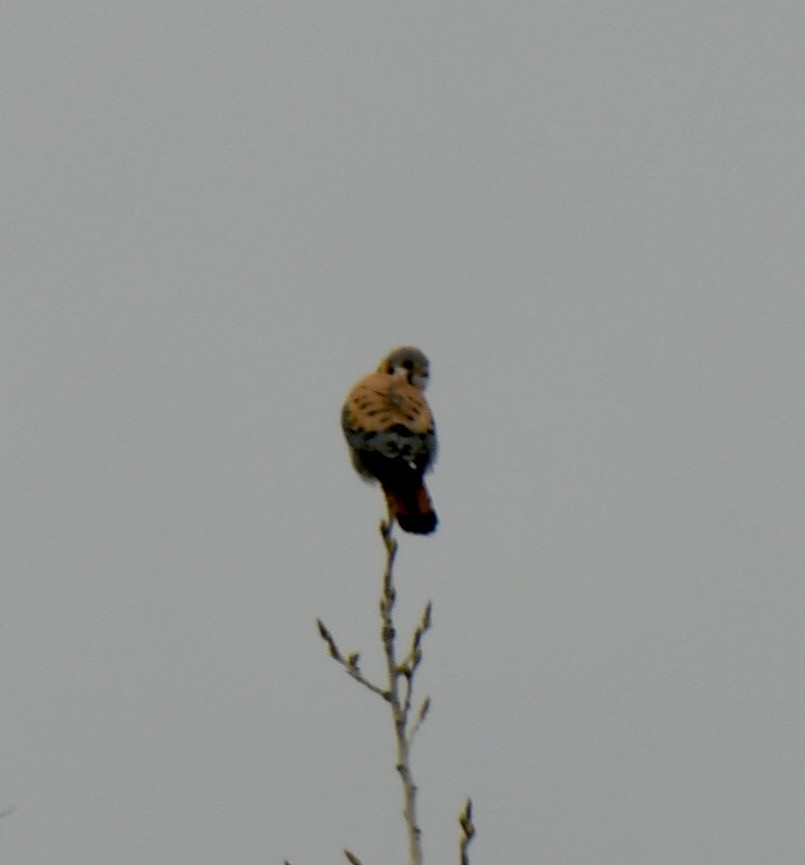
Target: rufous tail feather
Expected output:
[412,509]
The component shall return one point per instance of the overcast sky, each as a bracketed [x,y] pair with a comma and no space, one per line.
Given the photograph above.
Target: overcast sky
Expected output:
[216,217]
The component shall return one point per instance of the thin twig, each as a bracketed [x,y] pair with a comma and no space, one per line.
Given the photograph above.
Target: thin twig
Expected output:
[353,859]
[350,663]
[468,831]
[420,717]
[412,660]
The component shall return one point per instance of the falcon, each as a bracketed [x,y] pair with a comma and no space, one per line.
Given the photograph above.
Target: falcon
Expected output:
[391,435]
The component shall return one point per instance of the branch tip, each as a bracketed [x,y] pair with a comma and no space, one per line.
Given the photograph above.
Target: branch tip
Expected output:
[468,828]
[328,638]
[426,615]
[465,819]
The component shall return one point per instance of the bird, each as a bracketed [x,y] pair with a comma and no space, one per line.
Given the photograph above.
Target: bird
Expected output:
[391,435]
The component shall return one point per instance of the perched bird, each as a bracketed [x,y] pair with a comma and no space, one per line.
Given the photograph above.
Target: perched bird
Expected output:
[391,436]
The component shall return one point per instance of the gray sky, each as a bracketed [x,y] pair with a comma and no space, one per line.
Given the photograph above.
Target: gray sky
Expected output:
[217,216]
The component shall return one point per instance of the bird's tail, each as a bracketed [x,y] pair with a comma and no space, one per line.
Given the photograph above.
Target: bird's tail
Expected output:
[412,509]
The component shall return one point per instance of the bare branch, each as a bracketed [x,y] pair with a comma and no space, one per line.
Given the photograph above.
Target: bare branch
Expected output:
[468,830]
[412,660]
[414,656]
[328,638]
[399,707]
[398,693]
[350,663]
[420,717]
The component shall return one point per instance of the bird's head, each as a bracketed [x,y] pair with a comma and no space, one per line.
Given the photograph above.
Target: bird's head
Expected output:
[408,363]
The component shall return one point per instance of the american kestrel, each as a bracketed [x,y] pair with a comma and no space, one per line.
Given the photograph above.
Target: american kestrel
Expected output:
[391,435]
